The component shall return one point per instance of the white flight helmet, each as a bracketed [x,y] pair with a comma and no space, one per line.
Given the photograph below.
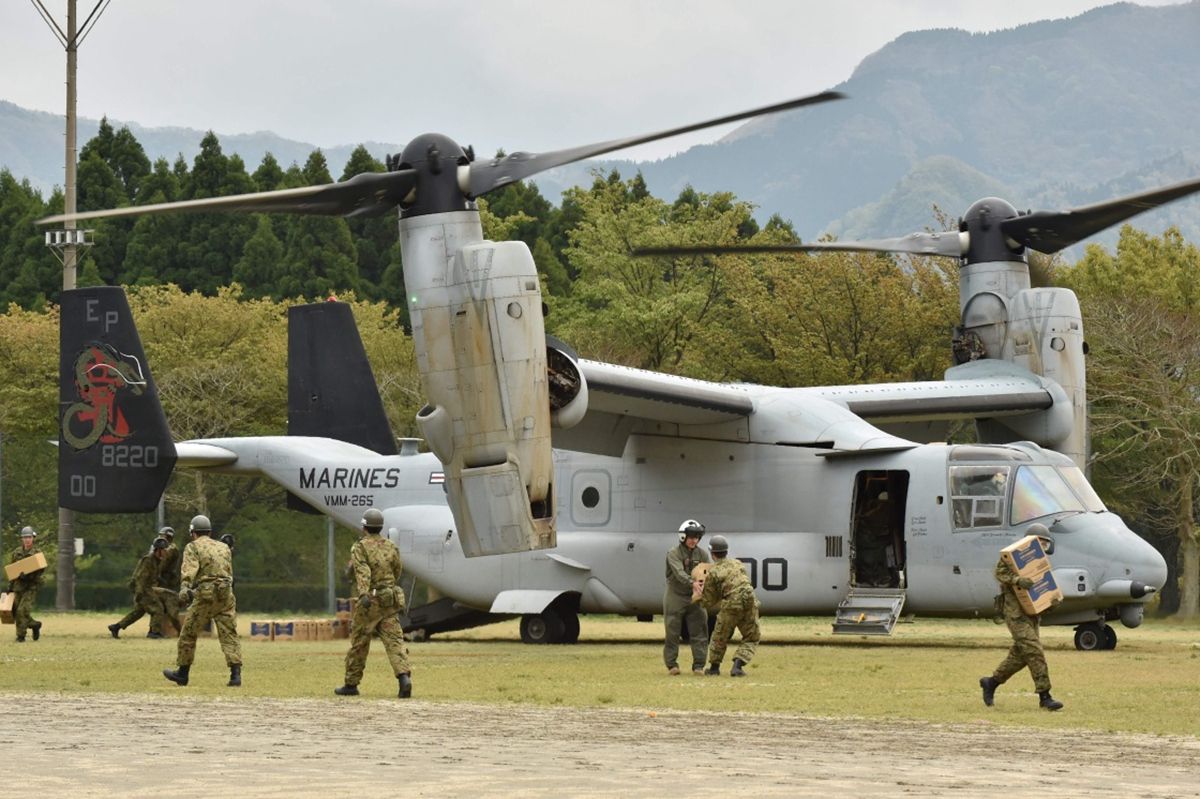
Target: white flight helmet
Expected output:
[690,526]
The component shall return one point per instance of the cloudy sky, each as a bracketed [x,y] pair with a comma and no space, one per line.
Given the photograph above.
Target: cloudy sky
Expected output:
[519,74]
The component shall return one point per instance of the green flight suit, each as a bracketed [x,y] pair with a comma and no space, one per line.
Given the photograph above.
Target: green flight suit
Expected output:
[377,567]
[1027,643]
[207,571]
[678,606]
[24,590]
[146,600]
[728,589]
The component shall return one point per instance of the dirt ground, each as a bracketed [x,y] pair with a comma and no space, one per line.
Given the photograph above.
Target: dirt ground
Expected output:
[142,746]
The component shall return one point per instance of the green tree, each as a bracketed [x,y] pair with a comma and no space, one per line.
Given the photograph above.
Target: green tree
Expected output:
[1141,308]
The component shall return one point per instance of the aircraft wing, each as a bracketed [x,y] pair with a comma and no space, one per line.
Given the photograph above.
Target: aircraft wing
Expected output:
[980,389]
[661,397]
[622,401]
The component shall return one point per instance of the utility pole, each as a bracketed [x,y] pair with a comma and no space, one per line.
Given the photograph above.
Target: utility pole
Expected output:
[68,243]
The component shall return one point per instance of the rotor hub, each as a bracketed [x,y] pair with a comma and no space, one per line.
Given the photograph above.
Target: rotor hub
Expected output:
[436,160]
[987,241]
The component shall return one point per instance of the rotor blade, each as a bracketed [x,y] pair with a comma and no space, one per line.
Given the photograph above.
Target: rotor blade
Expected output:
[500,172]
[365,194]
[951,245]
[1051,231]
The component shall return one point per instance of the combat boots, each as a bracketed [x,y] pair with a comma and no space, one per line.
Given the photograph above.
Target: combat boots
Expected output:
[235,676]
[37,630]
[405,685]
[346,690]
[713,670]
[737,668]
[115,629]
[1049,702]
[989,686]
[179,675]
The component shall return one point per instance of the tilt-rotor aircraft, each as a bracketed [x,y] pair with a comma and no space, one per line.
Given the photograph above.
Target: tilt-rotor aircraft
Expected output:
[833,497]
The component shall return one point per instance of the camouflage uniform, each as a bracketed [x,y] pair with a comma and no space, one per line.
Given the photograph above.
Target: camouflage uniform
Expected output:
[145,598]
[208,572]
[728,588]
[24,590]
[1027,645]
[168,570]
[376,574]
[678,606]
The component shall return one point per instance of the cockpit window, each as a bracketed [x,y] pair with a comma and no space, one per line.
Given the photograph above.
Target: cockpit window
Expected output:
[1040,491]
[977,495]
[1083,489]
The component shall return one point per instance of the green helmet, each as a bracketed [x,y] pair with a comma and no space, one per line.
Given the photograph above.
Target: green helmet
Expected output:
[718,545]
[200,524]
[372,519]
[28,532]
[167,533]
[159,543]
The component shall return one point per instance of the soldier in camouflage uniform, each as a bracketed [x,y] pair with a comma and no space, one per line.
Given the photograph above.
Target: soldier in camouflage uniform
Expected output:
[167,590]
[377,568]
[678,605]
[25,587]
[207,577]
[727,588]
[168,573]
[1027,644]
[146,598]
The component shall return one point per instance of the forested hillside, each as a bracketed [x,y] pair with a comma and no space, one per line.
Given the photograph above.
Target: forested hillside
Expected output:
[210,293]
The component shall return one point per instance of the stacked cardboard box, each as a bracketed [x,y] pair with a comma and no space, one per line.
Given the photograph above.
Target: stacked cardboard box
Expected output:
[1028,558]
[28,565]
[6,608]
[283,630]
[261,630]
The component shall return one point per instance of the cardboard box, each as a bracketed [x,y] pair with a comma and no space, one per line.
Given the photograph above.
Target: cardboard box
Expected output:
[324,629]
[6,608]
[28,565]
[1027,557]
[261,630]
[343,605]
[283,630]
[1041,596]
[340,628]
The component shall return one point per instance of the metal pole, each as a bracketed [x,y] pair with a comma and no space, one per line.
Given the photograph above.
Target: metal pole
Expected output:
[330,596]
[65,599]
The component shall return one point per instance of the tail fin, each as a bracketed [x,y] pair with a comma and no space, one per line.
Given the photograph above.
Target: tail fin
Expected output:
[331,388]
[115,452]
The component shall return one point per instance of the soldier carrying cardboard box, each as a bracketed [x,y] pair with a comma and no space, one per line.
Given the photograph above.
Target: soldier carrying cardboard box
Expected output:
[1027,644]
[25,586]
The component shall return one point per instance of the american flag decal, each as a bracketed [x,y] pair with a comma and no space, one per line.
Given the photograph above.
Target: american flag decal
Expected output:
[437,478]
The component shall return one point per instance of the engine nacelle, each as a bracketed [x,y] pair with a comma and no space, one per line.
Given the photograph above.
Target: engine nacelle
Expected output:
[568,388]
[1039,329]
[476,310]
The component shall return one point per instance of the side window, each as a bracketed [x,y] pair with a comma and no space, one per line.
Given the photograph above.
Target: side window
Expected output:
[978,495]
[591,493]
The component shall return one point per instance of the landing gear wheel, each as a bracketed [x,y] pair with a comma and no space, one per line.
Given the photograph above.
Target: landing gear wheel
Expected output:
[1110,637]
[571,628]
[542,628]
[1090,637]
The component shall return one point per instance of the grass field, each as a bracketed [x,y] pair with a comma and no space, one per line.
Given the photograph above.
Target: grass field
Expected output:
[928,670]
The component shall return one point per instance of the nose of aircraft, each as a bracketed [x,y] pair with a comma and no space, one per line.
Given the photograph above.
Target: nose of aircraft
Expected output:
[1145,563]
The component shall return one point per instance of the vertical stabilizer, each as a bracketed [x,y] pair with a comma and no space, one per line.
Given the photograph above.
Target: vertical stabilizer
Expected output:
[331,388]
[115,452]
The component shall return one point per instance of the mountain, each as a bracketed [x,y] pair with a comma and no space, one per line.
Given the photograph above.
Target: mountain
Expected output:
[1048,115]
[31,145]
